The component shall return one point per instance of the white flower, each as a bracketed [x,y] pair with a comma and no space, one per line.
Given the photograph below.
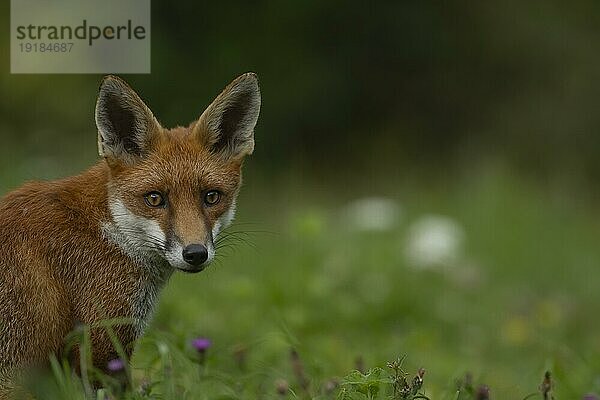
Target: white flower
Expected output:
[434,241]
[372,214]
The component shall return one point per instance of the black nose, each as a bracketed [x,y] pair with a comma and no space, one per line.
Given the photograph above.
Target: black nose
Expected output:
[195,254]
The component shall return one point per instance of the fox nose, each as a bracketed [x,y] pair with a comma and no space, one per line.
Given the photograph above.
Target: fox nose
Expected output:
[195,254]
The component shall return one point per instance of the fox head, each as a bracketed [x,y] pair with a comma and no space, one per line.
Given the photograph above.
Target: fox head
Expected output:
[171,191]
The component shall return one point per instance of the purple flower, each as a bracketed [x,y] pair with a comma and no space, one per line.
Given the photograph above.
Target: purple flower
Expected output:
[590,396]
[201,344]
[483,393]
[116,365]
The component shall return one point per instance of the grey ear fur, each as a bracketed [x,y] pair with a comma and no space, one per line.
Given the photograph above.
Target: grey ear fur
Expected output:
[126,126]
[227,125]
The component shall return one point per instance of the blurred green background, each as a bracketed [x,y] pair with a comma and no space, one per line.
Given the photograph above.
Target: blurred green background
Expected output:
[425,182]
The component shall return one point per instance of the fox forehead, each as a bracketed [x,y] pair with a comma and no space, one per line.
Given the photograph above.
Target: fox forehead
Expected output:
[177,160]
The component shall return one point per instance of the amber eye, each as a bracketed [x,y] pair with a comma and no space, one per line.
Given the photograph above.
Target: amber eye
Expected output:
[212,197]
[154,199]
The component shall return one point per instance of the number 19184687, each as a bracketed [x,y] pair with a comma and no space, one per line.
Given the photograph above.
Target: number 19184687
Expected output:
[46,47]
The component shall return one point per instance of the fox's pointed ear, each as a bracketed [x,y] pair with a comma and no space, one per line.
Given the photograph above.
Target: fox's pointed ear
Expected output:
[227,125]
[126,126]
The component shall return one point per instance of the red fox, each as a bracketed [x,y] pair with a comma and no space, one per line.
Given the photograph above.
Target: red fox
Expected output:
[102,244]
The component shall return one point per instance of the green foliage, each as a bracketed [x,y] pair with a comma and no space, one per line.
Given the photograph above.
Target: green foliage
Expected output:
[376,384]
[368,385]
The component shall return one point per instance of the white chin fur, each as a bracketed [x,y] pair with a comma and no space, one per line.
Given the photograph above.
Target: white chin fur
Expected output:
[140,236]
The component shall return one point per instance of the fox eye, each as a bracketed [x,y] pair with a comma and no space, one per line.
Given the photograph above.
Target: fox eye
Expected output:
[154,199]
[212,197]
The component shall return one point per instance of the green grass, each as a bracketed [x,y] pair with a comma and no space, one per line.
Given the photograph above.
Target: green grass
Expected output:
[520,296]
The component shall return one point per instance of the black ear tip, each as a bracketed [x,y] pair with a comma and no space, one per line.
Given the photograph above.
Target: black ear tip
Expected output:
[249,78]
[112,81]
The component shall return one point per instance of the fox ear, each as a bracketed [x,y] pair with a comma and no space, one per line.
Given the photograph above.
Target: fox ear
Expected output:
[126,126]
[227,125]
